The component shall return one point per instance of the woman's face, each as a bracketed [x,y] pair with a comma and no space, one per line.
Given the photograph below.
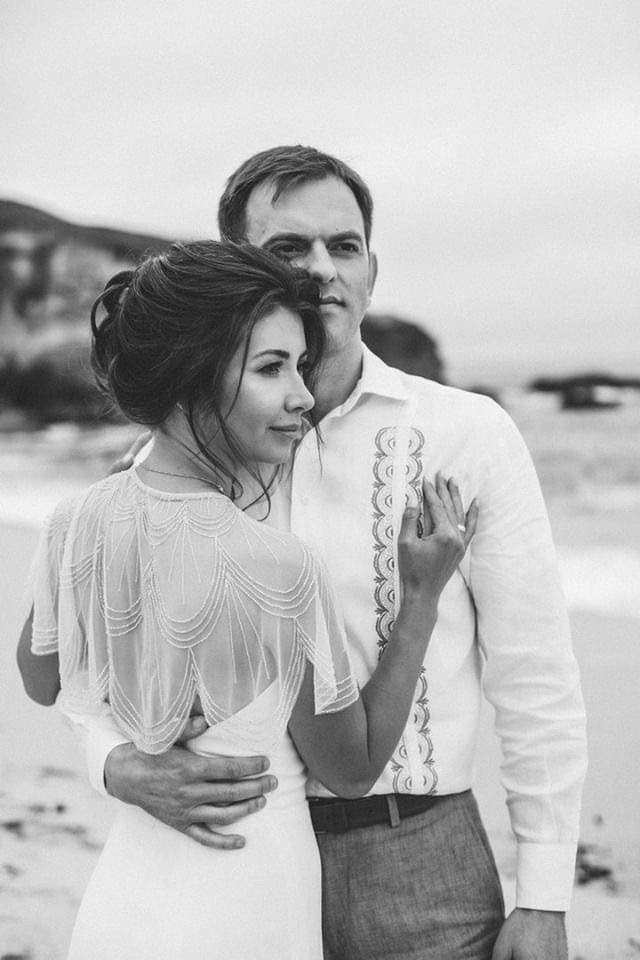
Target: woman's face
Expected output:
[266,415]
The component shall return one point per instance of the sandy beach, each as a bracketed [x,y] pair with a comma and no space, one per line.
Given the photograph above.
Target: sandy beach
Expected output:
[52,825]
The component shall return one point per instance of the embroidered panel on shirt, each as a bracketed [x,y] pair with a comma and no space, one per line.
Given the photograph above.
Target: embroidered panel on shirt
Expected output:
[384,594]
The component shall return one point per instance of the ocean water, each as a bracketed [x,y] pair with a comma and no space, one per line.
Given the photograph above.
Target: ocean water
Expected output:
[518,364]
[39,468]
[588,463]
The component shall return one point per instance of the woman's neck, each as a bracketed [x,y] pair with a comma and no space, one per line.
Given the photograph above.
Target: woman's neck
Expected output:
[177,466]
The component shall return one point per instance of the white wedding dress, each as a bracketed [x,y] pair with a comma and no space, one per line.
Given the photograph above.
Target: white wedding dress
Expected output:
[156,601]
[158,895]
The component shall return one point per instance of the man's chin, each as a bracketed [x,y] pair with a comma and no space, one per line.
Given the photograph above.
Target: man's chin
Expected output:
[335,316]
[340,340]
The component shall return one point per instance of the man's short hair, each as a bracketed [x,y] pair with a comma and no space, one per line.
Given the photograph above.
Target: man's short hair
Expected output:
[285,167]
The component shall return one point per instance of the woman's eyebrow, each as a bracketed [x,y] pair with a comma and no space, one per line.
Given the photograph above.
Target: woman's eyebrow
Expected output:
[284,354]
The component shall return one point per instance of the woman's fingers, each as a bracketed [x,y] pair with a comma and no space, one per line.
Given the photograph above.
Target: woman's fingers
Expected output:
[456,499]
[427,523]
[450,496]
[442,489]
[471,522]
[444,502]
[409,525]
[434,509]
[443,510]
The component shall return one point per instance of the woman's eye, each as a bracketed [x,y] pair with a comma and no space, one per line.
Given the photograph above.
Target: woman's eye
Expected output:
[271,369]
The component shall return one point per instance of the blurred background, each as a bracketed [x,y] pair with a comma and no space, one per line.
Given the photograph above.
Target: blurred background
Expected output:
[500,140]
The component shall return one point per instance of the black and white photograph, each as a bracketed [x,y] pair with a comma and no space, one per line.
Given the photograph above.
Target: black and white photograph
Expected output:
[319,480]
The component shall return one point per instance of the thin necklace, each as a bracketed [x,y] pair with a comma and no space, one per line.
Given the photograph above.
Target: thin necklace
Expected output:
[184,476]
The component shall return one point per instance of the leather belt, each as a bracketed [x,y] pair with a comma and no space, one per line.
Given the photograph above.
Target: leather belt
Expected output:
[334,815]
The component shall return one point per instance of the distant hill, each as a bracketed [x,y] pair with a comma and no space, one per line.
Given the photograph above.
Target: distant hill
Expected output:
[122,243]
[51,271]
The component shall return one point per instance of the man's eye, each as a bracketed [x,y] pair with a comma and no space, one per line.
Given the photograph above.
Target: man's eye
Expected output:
[288,251]
[348,246]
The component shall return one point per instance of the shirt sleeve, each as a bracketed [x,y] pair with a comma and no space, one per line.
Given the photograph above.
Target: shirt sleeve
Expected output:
[530,675]
[97,734]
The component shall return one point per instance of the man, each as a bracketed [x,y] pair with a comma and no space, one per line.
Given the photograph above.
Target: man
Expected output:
[406,872]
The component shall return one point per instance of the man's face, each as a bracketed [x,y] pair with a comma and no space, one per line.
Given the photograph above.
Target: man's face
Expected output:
[318,227]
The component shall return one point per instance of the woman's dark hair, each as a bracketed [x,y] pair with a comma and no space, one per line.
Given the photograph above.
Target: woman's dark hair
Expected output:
[172,326]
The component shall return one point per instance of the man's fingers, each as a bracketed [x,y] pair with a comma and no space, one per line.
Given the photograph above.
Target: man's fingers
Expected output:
[208,817]
[219,792]
[209,838]
[215,816]
[194,727]
[122,464]
[125,461]
[139,443]
[224,768]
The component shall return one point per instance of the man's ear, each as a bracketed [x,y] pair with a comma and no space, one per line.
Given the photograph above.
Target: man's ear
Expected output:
[373,272]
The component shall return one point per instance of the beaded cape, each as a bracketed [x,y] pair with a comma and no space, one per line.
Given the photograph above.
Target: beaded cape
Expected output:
[157,601]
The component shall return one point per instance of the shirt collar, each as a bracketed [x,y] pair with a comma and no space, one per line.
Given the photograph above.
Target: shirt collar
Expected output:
[379,379]
[376,379]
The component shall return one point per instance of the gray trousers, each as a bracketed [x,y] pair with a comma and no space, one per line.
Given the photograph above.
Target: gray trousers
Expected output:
[427,889]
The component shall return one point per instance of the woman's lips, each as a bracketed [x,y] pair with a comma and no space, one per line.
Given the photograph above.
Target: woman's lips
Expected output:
[291,431]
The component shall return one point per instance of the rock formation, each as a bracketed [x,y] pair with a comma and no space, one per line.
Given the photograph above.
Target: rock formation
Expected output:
[51,271]
[404,345]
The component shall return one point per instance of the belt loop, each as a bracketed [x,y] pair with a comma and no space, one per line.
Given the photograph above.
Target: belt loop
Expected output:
[392,804]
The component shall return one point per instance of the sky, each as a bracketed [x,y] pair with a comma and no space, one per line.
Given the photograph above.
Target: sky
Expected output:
[500,138]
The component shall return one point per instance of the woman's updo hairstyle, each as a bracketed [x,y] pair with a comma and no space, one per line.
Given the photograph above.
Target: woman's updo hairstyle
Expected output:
[172,325]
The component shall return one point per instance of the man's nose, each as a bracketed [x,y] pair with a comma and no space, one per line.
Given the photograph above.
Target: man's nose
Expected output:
[319,265]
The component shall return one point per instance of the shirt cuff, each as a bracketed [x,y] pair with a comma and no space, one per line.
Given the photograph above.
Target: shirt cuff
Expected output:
[100,743]
[544,875]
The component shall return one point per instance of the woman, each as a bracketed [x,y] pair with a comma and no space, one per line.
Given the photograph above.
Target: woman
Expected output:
[157,591]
